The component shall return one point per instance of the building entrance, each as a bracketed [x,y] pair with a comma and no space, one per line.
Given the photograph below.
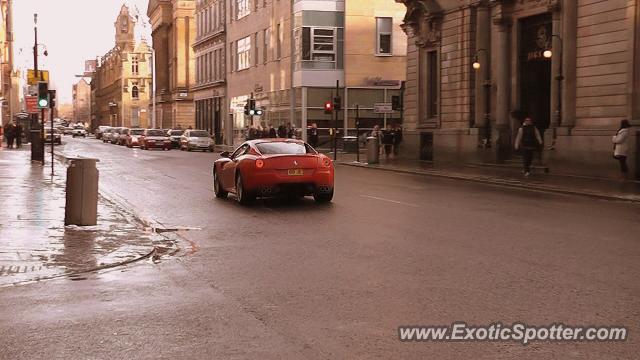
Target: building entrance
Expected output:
[535,69]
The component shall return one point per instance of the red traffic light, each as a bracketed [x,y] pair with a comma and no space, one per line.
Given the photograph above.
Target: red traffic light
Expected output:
[328,107]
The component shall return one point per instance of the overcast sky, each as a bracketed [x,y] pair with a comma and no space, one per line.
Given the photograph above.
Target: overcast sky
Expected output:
[72,30]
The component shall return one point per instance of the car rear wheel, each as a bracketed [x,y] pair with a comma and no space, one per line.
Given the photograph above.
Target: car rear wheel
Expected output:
[217,187]
[242,195]
[323,197]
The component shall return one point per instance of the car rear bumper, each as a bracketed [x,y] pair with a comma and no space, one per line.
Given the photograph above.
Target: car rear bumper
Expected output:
[157,145]
[273,182]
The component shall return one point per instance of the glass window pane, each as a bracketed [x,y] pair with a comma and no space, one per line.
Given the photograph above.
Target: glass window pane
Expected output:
[385,44]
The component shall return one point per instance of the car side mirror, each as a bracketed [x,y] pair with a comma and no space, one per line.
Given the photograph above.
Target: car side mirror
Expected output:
[225,154]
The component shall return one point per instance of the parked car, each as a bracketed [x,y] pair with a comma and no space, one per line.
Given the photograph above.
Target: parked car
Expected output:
[99,131]
[67,130]
[106,135]
[175,135]
[270,167]
[155,139]
[132,138]
[196,140]
[78,130]
[115,135]
[57,136]
[122,139]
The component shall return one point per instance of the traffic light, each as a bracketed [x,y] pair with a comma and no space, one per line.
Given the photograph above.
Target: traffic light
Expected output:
[43,95]
[328,107]
[251,110]
[258,112]
[52,99]
[337,103]
[396,103]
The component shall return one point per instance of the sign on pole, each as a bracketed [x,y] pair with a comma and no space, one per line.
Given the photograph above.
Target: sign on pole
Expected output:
[32,104]
[32,79]
[382,108]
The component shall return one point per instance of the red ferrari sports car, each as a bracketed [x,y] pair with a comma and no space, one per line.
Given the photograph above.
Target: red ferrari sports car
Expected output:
[270,167]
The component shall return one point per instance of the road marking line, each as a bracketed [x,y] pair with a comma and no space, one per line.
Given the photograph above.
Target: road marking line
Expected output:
[389,200]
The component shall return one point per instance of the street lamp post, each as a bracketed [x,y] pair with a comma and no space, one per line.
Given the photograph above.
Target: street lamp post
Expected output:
[153,88]
[487,87]
[548,54]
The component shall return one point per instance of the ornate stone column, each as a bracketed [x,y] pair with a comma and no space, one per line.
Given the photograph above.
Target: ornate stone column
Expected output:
[483,51]
[501,133]
[569,59]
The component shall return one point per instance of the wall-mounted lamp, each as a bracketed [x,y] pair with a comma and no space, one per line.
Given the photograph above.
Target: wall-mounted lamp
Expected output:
[476,61]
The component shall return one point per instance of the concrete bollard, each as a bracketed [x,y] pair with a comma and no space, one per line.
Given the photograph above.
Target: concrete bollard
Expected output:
[81,192]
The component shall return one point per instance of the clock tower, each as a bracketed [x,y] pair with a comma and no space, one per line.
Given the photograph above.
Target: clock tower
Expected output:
[125,37]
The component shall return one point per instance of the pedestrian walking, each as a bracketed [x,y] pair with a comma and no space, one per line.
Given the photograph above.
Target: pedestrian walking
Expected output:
[272,132]
[388,140]
[312,135]
[18,134]
[282,131]
[10,132]
[621,147]
[527,141]
[397,138]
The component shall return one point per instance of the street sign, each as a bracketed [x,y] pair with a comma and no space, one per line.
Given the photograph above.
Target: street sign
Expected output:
[32,104]
[32,79]
[382,108]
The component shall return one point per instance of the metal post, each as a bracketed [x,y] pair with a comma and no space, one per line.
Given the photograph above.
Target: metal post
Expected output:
[52,137]
[153,87]
[358,133]
[335,124]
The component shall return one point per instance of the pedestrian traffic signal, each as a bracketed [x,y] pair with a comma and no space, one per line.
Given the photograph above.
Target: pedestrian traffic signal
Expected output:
[328,107]
[337,103]
[43,95]
[251,110]
[52,99]
[396,102]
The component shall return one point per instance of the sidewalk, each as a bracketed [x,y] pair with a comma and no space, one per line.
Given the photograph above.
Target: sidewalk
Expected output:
[507,176]
[35,244]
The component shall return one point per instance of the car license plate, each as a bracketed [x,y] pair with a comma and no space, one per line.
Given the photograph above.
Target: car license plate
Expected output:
[295,172]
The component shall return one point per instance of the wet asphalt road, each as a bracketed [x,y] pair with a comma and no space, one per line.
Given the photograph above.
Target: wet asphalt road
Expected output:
[296,280]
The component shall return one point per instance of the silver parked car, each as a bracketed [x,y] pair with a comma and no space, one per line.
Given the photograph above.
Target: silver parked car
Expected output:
[196,140]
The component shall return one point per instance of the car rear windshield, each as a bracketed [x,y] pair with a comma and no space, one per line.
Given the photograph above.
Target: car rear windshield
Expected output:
[136,131]
[200,133]
[286,148]
[156,133]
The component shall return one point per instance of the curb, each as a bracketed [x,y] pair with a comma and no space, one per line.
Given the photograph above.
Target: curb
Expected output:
[505,183]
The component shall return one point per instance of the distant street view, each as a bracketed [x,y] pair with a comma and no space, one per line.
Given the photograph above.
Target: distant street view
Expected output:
[246,179]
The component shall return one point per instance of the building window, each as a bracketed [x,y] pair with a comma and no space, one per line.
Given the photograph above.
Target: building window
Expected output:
[134,65]
[242,8]
[432,84]
[265,45]
[318,44]
[243,53]
[279,42]
[383,35]
[135,116]
[134,92]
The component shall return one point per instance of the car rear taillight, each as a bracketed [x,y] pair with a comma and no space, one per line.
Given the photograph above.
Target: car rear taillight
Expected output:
[326,162]
[259,163]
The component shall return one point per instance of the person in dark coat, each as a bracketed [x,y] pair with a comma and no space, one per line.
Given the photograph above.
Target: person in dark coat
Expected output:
[282,131]
[528,140]
[10,133]
[312,135]
[18,134]
[397,138]
[272,132]
[388,140]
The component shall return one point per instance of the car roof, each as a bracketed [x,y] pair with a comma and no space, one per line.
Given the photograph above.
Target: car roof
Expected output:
[275,140]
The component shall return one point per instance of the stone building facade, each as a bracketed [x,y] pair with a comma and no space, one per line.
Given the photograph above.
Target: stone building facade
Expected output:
[209,90]
[81,101]
[121,85]
[8,91]
[173,28]
[476,67]
[291,67]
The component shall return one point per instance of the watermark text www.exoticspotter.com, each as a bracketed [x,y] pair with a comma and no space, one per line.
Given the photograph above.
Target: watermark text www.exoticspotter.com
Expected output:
[516,332]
